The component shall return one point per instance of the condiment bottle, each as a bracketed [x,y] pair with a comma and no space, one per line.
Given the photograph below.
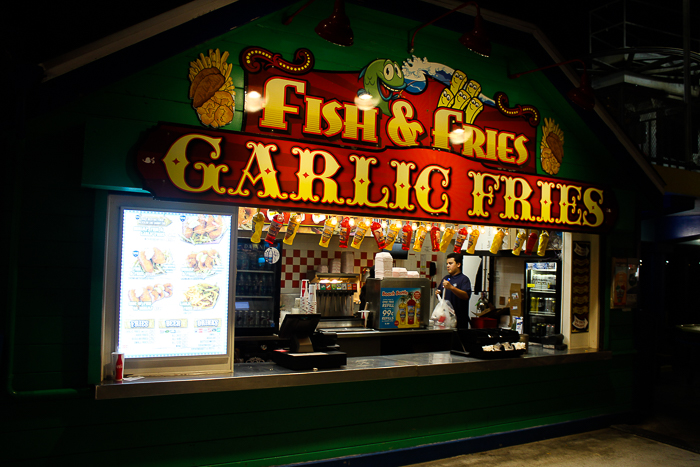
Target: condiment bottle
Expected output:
[407,232]
[345,227]
[360,232]
[435,237]
[497,241]
[519,242]
[391,234]
[446,238]
[420,236]
[328,229]
[544,240]
[473,237]
[292,227]
[258,222]
[461,237]
[275,226]
[531,242]
[378,233]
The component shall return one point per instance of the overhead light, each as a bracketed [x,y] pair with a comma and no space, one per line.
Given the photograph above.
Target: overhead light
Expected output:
[335,29]
[477,40]
[582,96]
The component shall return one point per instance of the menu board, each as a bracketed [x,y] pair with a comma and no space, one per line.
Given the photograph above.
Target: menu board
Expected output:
[174,282]
[400,308]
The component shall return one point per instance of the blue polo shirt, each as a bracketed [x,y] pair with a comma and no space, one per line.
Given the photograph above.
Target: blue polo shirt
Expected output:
[461,306]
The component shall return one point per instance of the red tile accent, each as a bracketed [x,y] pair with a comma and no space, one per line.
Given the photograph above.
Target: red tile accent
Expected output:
[317,261]
[303,261]
[296,268]
[296,284]
[296,253]
[288,260]
[289,276]
[324,253]
[358,262]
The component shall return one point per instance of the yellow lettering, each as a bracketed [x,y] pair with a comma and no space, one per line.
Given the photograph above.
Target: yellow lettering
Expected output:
[520,149]
[306,177]
[491,135]
[362,182]
[481,192]
[442,119]
[400,131]
[593,207]
[312,122]
[402,185]
[176,163]
[368,127]
[330,115]
[511,198]
[504,151]
[473,147]
[568,203]
[274,112]
[423,189]
[546,201]
[266,172]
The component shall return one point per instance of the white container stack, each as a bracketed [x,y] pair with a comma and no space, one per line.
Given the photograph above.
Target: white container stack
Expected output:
[347,262]
[399,272]
[335,266]
[383,265]
[413,275]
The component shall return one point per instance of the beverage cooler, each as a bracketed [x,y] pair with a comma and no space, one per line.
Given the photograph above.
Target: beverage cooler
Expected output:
[542,300]
[258,274]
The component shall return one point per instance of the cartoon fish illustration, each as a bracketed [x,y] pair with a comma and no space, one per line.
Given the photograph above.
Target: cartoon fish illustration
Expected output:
[382,79]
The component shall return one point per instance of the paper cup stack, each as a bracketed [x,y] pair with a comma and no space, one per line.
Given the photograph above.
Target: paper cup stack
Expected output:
[335,266]
[399,272]
[383,265]
[347,262]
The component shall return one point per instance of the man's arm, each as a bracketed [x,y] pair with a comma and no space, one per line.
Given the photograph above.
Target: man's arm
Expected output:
[463,294]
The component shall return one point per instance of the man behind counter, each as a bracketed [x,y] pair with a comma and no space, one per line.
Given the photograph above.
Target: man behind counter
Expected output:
[458,289]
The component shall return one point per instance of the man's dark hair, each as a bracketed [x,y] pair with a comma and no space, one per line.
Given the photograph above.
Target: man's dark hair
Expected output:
[457,257]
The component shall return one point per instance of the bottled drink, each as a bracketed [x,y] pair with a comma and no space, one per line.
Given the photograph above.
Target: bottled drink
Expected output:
[411,311]
[328,229]
[292,227]
[459,241]
[544,239]
[497,241]
[473,237]
[407,231]
[378,233]
[344,232]
[531,242]
[391,234]
[360,232]
[420,236]
[274,229]
[435,237]
[401,315]
[519,242]
[258,221]
[446,238]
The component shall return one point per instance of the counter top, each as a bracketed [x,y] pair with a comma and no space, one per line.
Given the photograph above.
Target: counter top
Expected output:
[248,376]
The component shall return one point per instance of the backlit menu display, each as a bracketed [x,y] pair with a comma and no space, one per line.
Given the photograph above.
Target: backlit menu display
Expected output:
[174,282]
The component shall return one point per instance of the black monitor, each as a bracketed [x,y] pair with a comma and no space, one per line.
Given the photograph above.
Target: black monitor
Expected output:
[299,328]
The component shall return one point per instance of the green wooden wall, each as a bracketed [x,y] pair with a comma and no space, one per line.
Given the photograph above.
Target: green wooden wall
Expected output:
[51,335]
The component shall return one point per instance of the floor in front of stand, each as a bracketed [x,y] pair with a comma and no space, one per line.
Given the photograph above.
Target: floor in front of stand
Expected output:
[665,434]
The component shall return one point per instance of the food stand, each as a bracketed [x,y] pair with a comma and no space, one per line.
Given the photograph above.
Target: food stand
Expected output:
[189,135]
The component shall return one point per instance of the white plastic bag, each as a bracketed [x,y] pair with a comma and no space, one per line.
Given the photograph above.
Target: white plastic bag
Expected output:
[443,316]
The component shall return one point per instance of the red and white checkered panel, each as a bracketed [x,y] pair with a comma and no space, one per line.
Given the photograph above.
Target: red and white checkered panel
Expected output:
[296,263]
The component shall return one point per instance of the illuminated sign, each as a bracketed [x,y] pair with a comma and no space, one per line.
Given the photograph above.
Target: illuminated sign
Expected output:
[419,183]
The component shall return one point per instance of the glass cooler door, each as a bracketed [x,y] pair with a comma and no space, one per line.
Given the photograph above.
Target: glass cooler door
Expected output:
[542,302]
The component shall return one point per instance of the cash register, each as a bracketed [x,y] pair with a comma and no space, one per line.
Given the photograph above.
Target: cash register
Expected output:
[308,349]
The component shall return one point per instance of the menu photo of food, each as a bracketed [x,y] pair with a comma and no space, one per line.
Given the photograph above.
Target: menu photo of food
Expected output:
[201,229]
[201,296]
[202,263]
[144,297]
[153,261]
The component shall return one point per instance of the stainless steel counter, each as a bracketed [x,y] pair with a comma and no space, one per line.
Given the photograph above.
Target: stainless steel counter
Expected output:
[248,376]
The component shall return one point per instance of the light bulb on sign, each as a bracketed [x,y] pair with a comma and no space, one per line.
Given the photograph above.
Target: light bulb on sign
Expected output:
[366,101]
[254,101]
[352,221]
[318,218]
